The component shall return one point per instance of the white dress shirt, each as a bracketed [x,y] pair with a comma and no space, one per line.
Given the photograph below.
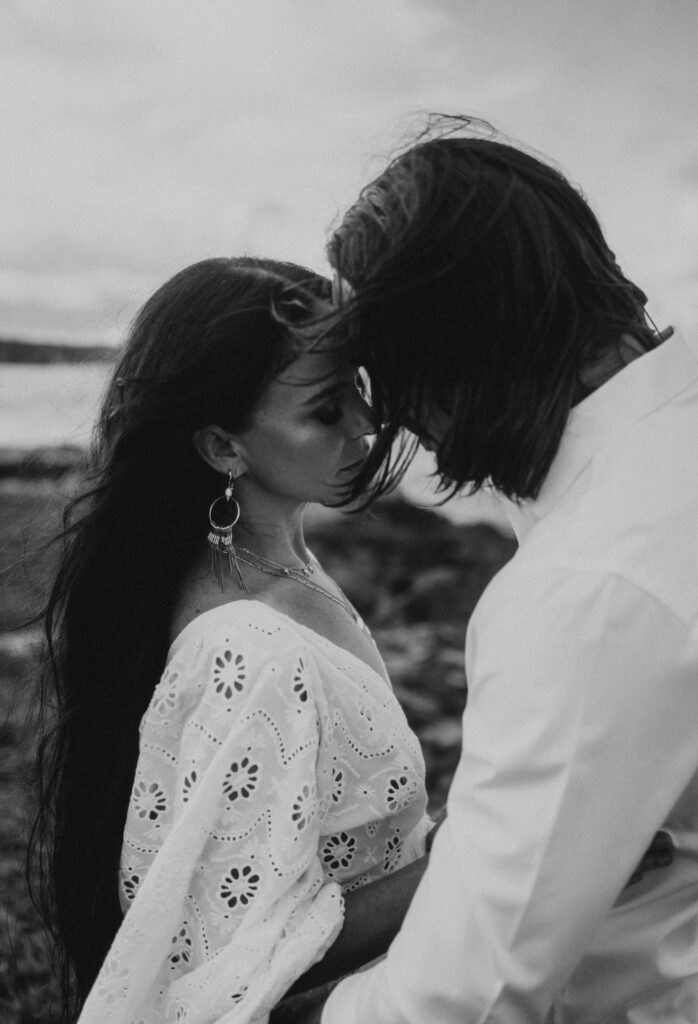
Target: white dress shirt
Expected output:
[580,740]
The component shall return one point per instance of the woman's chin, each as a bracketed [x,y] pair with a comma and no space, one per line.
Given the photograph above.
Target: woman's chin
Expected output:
[336,495]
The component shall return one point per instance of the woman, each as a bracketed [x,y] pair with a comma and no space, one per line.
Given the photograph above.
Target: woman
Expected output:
[228,759]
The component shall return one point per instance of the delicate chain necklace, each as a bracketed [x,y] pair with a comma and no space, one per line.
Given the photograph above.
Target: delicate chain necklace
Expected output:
[286,570]
[298,575]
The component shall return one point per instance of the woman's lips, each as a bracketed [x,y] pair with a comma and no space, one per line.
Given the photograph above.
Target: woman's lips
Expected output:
[353,466]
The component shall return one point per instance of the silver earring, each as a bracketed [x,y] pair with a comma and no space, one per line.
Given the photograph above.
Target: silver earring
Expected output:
[220,536]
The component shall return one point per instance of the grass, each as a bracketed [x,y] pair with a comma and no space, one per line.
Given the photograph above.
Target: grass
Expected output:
[27,987]
[28,516]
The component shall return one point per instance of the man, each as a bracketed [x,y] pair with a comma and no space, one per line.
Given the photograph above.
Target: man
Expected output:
[497,326]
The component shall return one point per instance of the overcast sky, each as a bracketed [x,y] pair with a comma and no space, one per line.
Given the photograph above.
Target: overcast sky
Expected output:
[142,135]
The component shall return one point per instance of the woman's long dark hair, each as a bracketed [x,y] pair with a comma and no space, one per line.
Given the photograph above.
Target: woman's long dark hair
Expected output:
[482,283]
[201,351]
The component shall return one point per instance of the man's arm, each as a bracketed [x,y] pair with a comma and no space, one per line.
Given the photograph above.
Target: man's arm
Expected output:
[373,915]
[578,740]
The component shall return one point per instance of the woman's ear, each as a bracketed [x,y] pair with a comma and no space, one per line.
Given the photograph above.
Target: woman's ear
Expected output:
[220,449]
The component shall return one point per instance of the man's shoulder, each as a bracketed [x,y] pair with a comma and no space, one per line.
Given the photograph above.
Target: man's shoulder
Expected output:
[563,592]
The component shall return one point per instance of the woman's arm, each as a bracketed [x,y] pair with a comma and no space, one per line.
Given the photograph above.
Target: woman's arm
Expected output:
[372,918]
[304,1002]
[373,915]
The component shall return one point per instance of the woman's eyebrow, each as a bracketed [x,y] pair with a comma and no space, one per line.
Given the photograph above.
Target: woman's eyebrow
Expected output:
[330,390]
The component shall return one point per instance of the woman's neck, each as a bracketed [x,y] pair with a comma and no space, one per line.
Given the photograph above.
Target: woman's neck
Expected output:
[273,534]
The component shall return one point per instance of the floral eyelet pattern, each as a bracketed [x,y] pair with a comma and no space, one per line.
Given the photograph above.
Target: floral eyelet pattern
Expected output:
[338,852]
[271,778]
[304,807]
[400,792]
[392,853]
[181,949]
[165,697]
[149,800]
[241,780]
[337,784]
[188,784]
[129,886]
[300,688]
[239,886]
[229,674]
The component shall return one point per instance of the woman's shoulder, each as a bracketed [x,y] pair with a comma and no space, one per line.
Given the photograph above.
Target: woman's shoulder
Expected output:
[245,622]
[226,660]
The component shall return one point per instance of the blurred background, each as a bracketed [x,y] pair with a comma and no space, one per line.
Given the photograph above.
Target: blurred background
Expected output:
[142,135]
[139,136]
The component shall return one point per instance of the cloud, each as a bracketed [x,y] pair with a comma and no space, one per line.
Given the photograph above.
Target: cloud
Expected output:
[142,136]
[76,32]
[68,290]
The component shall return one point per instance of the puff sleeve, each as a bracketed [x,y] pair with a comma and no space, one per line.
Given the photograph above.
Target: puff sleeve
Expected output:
[225,897]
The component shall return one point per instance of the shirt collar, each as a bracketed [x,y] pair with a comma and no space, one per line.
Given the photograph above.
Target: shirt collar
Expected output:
[638,389]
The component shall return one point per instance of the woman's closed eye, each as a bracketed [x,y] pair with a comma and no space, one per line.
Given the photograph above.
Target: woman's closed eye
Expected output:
[332,411]
[330,414]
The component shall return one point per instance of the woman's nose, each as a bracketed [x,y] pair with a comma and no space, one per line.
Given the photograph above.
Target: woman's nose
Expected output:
[362,421]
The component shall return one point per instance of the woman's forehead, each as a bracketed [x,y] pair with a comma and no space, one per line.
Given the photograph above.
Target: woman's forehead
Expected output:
[312,367]
[309,378]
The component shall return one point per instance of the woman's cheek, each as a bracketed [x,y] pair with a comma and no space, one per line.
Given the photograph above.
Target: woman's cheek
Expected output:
[303,449]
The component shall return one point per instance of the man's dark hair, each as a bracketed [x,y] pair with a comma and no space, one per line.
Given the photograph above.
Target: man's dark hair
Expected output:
[483,284]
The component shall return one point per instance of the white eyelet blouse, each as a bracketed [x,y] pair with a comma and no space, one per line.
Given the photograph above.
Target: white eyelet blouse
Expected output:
[276,771]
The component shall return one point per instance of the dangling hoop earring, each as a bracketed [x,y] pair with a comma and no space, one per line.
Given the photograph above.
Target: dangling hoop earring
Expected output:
[220,537]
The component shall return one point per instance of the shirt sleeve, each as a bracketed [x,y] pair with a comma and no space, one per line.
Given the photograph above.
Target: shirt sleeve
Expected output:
[234,905]
[578,739]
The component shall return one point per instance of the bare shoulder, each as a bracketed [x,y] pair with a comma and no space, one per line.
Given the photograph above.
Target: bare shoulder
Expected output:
[307,607]
[200,593]
[327,619]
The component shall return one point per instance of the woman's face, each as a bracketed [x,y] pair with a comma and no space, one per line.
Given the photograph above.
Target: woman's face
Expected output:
[310,431]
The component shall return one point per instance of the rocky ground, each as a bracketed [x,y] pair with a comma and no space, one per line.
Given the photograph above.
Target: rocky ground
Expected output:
[413,575]
[416,577]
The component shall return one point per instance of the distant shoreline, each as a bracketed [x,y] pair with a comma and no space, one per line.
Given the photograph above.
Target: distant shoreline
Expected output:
[14,350]
[46,462]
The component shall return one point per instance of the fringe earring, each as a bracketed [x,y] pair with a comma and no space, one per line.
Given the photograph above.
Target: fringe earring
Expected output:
[220,537]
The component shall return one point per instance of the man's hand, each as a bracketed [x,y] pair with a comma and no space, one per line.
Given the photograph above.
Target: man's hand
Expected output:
[304,1008]
[659,854]
[438,819]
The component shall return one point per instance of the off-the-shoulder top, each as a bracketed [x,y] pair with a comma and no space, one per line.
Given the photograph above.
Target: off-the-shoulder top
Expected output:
[276,771]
